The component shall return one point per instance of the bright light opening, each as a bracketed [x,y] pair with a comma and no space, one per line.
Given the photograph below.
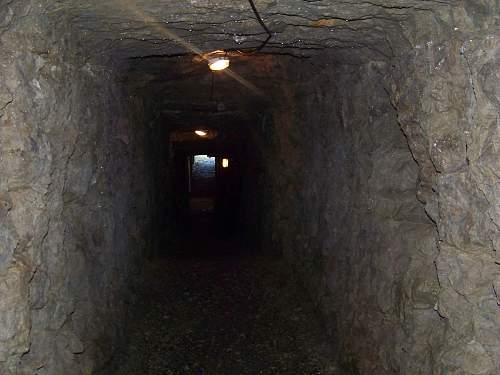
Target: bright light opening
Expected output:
[218,63]
[201,133]
[225,163]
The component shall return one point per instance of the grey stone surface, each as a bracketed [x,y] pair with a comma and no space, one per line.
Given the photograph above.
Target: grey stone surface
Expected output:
[397,242]
[458,123]
[353,226]
[73,216]
[379,152]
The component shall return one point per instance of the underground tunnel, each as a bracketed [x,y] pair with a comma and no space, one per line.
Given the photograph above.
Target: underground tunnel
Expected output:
[327,202]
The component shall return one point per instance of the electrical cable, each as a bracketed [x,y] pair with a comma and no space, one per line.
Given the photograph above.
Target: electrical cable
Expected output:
[212,87]
[261,22]
[239,52]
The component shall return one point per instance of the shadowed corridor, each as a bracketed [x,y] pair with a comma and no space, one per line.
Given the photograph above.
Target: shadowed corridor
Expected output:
[219,307]
[249,187]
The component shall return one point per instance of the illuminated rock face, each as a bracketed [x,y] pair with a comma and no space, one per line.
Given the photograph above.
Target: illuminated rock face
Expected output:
[398,253]
[73,219]
[379,154]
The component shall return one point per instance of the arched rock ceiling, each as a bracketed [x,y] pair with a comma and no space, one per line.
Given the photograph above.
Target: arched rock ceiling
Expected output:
[188,93]
[155,41]
[133,28]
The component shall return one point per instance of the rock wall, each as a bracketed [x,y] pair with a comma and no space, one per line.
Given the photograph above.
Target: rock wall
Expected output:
[383,193]
[380,184]
[74,200]
[347,217]
[448,101]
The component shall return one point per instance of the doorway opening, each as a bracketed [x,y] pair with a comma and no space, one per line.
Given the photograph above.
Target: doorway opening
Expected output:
[207,183]
[202,183]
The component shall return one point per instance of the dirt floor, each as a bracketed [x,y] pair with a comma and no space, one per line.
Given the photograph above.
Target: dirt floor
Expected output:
[217,308]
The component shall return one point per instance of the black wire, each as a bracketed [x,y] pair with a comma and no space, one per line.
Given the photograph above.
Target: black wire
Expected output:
[212,87]
[261,21]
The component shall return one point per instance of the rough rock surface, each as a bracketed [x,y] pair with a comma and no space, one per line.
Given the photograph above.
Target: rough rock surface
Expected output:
[452,130]
[73,202]
[358,235]
[399,247]
[379,152]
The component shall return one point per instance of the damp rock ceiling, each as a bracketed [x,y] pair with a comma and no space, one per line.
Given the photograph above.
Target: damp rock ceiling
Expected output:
[136,28]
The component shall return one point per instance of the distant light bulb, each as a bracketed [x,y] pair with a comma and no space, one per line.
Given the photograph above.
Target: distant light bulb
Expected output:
[201,133]
[225,163]
[218,63]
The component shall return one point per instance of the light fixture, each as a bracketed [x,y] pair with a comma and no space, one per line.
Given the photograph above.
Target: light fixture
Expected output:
[219,59]
[201,133]
[218,63]
[225,163]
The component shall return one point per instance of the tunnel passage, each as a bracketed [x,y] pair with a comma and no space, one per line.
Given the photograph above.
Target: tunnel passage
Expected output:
[371,138]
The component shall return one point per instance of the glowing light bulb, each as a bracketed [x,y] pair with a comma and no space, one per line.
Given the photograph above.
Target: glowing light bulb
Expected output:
[225,163]
[218,63]
[201,133]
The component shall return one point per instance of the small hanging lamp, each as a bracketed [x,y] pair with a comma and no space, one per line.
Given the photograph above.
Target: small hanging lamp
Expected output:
[218,63]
